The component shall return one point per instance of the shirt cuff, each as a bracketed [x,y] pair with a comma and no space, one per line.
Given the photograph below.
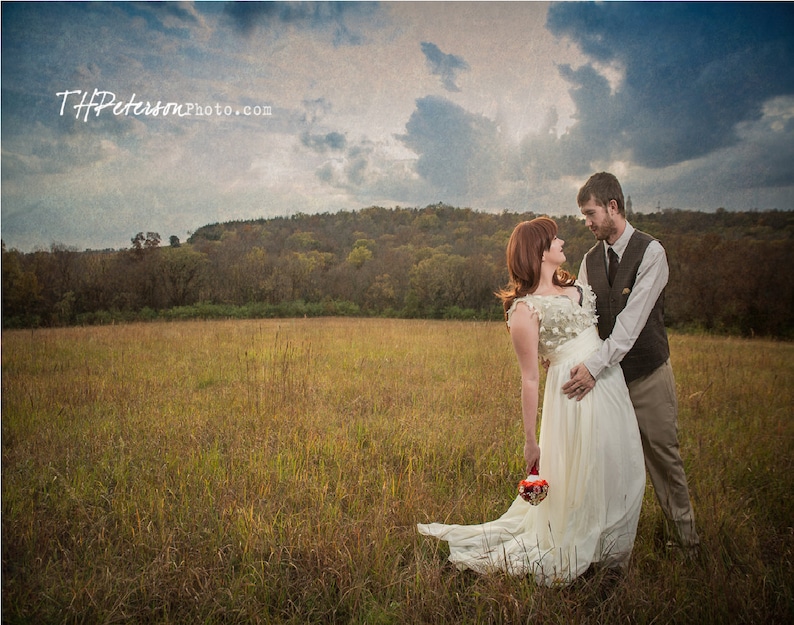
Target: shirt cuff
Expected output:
[595,365]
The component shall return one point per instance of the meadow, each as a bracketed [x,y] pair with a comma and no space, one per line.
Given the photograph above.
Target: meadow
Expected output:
[273,471]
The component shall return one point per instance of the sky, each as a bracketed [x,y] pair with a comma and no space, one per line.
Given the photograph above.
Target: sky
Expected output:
[273,109]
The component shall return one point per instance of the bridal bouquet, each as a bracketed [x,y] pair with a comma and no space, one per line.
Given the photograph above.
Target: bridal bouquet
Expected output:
[533,489]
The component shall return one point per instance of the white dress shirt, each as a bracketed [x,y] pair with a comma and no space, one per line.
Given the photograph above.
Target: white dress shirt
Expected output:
[652,276]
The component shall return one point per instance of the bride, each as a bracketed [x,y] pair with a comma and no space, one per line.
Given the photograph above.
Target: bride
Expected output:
[592,455]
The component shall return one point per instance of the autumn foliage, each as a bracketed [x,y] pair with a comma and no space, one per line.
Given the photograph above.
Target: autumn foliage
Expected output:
[728,270]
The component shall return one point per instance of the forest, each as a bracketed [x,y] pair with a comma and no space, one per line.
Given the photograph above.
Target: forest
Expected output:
[729,271]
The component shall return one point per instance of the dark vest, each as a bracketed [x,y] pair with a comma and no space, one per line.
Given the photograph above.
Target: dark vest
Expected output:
[651,349]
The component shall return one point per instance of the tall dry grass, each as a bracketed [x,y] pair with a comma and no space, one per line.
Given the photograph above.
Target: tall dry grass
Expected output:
[274,471]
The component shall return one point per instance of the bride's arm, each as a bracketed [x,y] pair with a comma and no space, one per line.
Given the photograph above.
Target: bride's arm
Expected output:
[524,330]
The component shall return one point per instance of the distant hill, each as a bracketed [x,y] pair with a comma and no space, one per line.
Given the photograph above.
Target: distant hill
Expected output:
[728,270]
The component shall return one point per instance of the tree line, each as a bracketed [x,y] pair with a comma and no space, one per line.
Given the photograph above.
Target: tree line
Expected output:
[728,270]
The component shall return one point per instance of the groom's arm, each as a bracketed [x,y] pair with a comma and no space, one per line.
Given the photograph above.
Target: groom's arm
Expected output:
[652,276]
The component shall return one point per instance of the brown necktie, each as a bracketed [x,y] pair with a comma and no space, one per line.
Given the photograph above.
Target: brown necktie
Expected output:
[613,265]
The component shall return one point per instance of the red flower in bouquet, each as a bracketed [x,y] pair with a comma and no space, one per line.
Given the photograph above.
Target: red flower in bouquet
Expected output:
[533,489]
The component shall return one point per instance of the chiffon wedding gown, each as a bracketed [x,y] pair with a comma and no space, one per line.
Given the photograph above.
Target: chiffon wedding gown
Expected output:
[591,456]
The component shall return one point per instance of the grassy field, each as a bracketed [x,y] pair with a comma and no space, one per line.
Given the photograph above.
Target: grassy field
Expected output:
[274,471]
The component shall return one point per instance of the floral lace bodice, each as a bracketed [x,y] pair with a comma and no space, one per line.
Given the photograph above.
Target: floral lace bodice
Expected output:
[561,319]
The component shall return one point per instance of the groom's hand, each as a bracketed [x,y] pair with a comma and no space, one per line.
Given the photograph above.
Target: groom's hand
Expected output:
[580,384]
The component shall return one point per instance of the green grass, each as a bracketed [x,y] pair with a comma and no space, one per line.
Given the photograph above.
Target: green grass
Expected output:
[273,471]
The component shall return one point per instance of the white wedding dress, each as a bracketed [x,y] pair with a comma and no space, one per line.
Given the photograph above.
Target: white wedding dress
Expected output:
[591,456]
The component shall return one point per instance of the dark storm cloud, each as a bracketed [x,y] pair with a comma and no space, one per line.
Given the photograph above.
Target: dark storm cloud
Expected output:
[459,153]
[692,72]
[248,16]
[444,65]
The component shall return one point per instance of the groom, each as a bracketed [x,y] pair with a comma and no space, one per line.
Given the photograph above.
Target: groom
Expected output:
[627,270]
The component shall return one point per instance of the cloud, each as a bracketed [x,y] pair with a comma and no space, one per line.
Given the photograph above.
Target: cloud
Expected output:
[762,159]
[594,141]
[316,109]
[444,65]
[459,152]
[175,18]
[333,141]
[691,104]
[248,17]
[370,172]
[683,75]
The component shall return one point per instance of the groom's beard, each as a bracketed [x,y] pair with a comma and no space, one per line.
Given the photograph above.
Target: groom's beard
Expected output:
[605,230]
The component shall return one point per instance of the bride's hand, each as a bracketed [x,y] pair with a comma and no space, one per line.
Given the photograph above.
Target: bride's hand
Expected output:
[531,455]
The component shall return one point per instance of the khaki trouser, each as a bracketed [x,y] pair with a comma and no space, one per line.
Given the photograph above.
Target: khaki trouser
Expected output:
[656,406]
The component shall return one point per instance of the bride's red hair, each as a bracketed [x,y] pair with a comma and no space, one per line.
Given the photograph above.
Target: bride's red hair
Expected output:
[528,242]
